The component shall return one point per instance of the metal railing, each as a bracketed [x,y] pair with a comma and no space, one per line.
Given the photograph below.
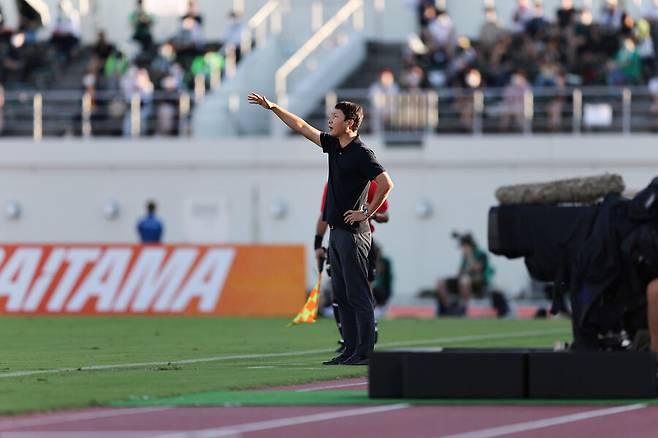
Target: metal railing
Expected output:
[353,9]
[419,113]
[498,110]
[75,113]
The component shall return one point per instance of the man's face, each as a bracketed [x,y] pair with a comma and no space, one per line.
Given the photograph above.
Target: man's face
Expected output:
[337,123]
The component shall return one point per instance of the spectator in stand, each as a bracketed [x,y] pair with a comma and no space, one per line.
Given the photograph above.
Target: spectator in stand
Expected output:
[521,15]
[150,228]
[513,109]
[651,15]
[142,24]
[555,108]
[412,78]
[5,31]
[383,102]
[566,14]
[440,35]
[627,67]
[167,107]
[611,17]
[137,82]
[645,48]
[189,38]
[102,49]
[490,31]
[538,25]
[193,13]
[232,38]
[66,29]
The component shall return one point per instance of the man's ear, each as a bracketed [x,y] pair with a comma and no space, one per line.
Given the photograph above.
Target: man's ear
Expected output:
[350,125]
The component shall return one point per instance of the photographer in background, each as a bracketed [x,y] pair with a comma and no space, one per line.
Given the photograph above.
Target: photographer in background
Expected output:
[474,277]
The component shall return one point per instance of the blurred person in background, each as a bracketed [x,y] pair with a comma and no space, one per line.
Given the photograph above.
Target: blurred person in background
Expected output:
[611,16]
[232,38]
[5,31]
[473,278]
[513,109]
[490,31]
[382,95]
[193,13]
[102,48]
[521,15]
[168,106]
[150,228]
[440,34]
[565,14]
[66,30]
[645,48]
[537,26]
[627,66]
[137,82]
[142,24]
[189,39]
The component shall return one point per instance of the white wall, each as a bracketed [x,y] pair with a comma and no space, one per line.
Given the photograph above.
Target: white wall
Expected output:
[62,187]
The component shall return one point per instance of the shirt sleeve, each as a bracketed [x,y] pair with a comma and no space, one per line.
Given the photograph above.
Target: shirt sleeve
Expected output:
[370,166]
[328,143]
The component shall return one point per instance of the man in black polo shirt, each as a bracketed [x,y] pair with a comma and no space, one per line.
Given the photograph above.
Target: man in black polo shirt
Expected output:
[351,168]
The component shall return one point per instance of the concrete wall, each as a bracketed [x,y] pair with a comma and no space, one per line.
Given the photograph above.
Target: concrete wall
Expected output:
[264,190]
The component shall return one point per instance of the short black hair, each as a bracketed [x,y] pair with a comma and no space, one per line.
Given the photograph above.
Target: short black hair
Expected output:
[151,206]
[352,111]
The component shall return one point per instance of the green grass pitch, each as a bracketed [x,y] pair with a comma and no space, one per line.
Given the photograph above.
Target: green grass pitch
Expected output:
[144,358]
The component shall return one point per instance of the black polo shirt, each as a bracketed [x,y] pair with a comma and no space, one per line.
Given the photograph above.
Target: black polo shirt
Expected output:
[350,171]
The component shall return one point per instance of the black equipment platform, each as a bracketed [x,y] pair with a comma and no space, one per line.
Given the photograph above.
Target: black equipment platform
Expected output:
[507,373]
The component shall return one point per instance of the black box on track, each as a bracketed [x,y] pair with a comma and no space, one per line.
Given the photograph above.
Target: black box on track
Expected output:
[464,374]
[511,373]
[592,375]
[385,374]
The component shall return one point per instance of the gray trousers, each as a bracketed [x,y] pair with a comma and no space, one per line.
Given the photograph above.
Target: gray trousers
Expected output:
[348,253]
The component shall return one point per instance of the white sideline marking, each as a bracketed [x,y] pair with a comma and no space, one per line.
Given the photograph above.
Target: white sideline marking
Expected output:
[322,388]
[256,426]
[548,422]
[510,335]
[10,424]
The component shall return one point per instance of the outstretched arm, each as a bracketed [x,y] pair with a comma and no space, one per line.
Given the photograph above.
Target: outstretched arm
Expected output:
[293,121]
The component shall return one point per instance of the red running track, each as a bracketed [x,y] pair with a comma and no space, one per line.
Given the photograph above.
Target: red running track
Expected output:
[344,421]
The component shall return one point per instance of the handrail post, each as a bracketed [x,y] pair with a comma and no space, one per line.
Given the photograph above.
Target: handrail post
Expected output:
[432,98]
[627,97]
[37,114]
[528,111]
[86,114]
[135,115]
[478,110]
[577,98]
[184,108]
[199,88]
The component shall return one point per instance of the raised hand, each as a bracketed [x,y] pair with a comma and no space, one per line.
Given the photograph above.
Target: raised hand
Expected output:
[257,99]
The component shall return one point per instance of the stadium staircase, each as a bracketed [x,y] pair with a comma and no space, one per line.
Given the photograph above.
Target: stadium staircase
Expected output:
[379,55]
[297,69]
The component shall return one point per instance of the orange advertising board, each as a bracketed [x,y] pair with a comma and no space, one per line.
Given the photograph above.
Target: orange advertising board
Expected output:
[114,279]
